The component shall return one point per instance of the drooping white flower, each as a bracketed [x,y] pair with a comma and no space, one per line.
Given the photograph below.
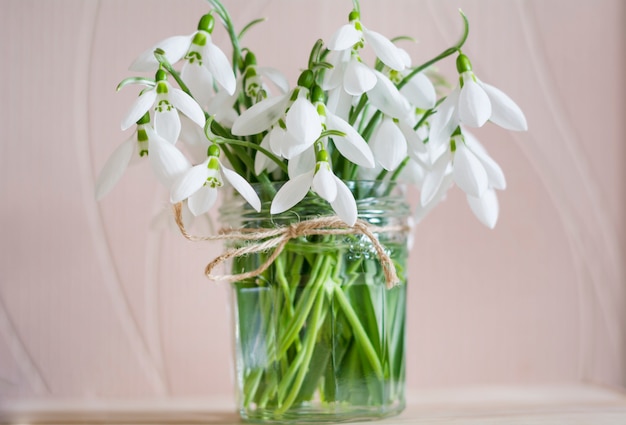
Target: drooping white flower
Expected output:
[322,181]
[468,165]
[393,141]
[167,162]
[167,101]
[204,61]
[200,183]
[473,103]
[355,34]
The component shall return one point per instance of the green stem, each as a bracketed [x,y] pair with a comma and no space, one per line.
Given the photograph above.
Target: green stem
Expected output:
[359,332]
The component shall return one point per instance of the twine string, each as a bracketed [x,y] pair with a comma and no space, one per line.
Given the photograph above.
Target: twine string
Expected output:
[265,239]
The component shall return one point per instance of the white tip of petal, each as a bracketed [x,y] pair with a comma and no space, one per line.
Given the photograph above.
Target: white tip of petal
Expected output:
[303,121]
[387,52]
[344,204]
[494,172]
[469,173]
[358,78]
[276,77]
[474,104]
[189,183]
[114,168]
[262,161]
[242,186]
[202,201]
[485,208]
[345,37]
[260,116]
[433,180]
[324,183]
[505,112]
[141,105]
[291,193]
[218,65]
[199,81]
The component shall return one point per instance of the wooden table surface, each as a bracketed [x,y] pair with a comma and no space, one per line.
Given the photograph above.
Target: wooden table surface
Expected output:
[529,405]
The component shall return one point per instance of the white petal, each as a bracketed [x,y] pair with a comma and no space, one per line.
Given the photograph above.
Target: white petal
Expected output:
[202,201]
[199,81]
[406,58]
[345,37]
[443,124]
[115,166]
[262,161]
[242,186]
[303,121]
[494,172]
[353,146]
[469,173]
[415,144]
[504,112]
[189,183]
[291,192]
[420,91]
[187,105]
[276,77]
[324,184]
[387,52]
[167,125]
[474,104]
[141,105]
[386,98]
[260,116]
[174,47]
[485,208]
[218,65]
[344,204]
[302,163]
[422,210]
[434,179]
[334,77]
[388,145]
[168,163]
[339,102]
[358,78]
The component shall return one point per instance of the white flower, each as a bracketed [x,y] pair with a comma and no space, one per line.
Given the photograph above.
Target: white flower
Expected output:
[322,181]
[354,33]
[200,183]
[473,103]
[203,60]
[167,101]
[468,165]
[393,141]
[167,162]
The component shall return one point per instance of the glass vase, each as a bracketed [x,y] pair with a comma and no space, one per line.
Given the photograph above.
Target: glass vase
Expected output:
[319,335]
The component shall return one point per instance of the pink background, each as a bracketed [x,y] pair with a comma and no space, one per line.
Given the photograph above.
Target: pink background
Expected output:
[107,301]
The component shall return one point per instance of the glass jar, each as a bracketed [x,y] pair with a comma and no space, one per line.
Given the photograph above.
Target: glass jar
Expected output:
[319,337]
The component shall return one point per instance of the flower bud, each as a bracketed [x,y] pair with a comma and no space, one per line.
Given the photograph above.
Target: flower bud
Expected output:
[463,64]
[306,79]
[207,23]
[213,151]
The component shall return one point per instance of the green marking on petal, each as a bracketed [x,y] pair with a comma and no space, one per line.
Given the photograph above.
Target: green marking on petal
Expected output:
[199,39]
[193,57]
[161,87]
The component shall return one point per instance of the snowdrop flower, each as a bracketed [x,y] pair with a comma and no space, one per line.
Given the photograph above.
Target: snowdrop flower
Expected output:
[167,162]
[473,103]
[167,101]
[355,35]
[322,181]
[468,165]
[204,61]
[393,140]
[200,183]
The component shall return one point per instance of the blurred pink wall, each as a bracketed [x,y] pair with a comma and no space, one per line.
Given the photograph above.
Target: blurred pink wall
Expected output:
[105,300]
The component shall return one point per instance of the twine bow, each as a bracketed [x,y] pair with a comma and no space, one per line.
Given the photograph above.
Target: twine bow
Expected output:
[264,239]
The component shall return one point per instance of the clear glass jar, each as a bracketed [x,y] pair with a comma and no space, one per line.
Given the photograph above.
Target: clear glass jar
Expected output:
[318,335]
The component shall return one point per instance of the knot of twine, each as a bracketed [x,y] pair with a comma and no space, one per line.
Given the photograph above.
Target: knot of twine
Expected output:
[264,239]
